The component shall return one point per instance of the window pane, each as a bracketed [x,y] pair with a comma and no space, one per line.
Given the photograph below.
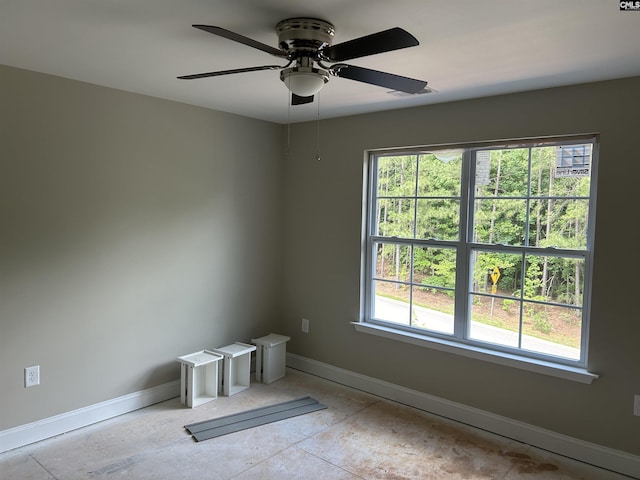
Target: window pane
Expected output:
[573,160]
[397,176]
[440,174]
[395,217]
[543,164]
[433,309]
[500,221]
[393,262]
[494,319]
[507,174]
[489,324]
[552,330]
[508,278]
[391,302]
[434,266]
[546,329]
[559,223]
[549,179]
[554,279]
[439,219]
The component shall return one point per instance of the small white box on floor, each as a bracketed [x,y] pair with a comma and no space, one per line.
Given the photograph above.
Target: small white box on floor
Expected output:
[270,357]
[198,377]
[236,367]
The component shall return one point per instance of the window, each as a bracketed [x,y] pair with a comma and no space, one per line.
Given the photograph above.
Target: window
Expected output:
[486,245]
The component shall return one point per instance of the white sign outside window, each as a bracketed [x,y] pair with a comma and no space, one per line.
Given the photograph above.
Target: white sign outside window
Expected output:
[573,160]
[483,167]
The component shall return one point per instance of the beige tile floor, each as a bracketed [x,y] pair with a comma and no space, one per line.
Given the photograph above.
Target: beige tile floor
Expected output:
[359,436]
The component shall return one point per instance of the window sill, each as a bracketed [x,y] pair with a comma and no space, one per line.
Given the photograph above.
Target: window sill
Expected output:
[532,365]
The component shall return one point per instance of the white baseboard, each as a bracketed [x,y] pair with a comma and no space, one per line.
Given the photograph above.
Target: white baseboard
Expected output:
[587,452]
[82,417]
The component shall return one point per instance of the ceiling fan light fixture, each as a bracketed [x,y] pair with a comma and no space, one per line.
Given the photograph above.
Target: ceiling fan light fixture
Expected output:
[304,81]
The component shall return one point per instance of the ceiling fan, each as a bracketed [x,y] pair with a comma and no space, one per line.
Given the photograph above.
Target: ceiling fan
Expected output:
[305,43]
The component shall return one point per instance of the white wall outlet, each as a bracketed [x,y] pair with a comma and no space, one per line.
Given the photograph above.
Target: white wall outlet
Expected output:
[636,405]
[32,376]
[305,325]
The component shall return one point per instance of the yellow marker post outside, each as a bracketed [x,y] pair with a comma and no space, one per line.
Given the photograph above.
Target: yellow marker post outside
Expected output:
[495,275]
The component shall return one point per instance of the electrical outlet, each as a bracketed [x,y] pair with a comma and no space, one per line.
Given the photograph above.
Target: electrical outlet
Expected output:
[32,376]
[305,325]
[636,405]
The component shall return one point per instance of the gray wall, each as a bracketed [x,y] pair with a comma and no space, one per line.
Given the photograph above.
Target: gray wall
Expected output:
[132,230]
[322,260]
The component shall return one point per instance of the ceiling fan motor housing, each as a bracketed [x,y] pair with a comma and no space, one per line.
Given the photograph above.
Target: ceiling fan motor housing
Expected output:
[304,36]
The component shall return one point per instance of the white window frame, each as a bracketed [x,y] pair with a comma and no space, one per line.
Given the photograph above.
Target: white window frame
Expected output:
[459,342]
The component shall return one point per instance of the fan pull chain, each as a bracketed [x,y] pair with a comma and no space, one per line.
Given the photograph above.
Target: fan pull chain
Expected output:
[318,128]
[288,124]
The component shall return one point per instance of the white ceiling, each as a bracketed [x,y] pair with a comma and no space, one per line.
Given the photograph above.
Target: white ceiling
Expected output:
[468,48]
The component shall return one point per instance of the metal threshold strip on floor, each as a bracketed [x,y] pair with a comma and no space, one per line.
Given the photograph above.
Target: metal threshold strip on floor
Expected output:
[252,418]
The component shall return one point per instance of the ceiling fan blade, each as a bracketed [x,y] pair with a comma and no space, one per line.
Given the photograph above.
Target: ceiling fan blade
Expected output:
[229,72]
[236,37]
[382,79]
[298,100]
[385,41]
